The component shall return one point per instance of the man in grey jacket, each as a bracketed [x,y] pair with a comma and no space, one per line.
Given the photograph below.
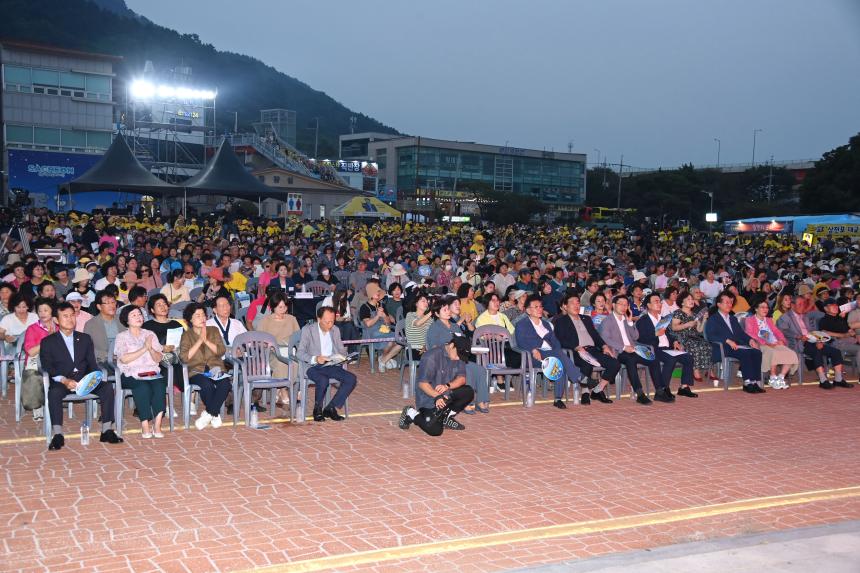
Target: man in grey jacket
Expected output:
[104,326]
[318,344]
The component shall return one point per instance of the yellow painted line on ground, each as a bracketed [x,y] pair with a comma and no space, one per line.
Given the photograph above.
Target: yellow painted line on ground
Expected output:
[510,403]
[556,531]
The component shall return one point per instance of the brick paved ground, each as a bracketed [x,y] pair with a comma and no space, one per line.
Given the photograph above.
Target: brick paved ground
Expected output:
[238,499]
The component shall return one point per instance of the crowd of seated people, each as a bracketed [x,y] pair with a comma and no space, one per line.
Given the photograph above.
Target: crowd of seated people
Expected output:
[602,303]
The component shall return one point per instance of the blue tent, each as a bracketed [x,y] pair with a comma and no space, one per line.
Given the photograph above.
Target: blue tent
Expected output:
[800,223]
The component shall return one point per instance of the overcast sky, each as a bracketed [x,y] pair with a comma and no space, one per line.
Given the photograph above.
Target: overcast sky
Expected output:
[655,80]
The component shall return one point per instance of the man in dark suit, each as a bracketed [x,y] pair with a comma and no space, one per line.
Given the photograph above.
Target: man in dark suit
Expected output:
[662,341]
[534,335]
[724,328]
[67,356]
[576,332]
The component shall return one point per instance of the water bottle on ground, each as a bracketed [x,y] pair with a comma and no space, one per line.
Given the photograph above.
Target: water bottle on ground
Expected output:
[85,434]
[254,419]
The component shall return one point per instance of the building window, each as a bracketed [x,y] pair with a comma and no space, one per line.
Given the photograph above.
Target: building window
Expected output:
[289,180]
[98,139]
[72,80]
[16,75]
[276,178]
[74,138]
[46,77]
[46,136]
[322,211]
[98,84]
[262,178]
[19,133]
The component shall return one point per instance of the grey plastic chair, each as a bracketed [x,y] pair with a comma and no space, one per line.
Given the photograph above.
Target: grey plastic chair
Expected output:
[252,351]
[152,292]
[241,314]
[89,402]
[407,361]
[371,349]
[342,277]
[19,362]
[298,414]
[195,292]
[495,338]
[318,288]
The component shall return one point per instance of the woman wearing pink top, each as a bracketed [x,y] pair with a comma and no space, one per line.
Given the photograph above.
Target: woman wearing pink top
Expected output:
[138,355]
[774,351]
[39,330]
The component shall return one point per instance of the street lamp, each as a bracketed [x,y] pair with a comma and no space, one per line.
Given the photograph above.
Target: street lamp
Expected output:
[709,217]
[755,132]
[718,151]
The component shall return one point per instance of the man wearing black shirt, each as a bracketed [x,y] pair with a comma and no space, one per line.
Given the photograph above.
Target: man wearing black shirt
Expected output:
[442,391]
[835,324]
[577,333]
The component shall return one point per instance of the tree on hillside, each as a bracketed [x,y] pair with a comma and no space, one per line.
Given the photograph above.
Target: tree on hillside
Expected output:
[834,184]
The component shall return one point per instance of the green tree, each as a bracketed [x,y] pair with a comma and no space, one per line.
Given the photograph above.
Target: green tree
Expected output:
[834,184]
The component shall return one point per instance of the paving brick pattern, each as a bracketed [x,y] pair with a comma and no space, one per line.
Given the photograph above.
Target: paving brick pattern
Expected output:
[238,499]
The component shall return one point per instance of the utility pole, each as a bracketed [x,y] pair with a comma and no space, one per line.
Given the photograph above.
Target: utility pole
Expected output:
[718,152]
[770,180]
[755,132]
[598,157]
[570,146]
[317,138]
[605,185]
[620,170]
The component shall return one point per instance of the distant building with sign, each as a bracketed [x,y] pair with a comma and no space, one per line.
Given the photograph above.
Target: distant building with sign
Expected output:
[423,175]
[57,118]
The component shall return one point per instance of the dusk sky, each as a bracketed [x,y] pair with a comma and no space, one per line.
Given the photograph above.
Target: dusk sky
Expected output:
[656,81]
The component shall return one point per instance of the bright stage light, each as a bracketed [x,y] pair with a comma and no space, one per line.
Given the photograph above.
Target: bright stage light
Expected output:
[142,89]
[711,217]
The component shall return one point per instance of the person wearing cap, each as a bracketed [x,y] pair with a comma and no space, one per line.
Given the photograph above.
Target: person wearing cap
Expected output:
[76,299]
[835,324]
[81,281]
[535,336]
[723,327]
[62,282]
[395,275]
[214,288]
[796,329]
[442,390]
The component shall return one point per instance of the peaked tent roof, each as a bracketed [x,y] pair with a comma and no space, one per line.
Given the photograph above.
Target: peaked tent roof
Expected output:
[370,207]
[119,170]
[225,175]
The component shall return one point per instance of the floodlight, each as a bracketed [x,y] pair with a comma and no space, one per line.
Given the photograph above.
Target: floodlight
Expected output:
[711,217]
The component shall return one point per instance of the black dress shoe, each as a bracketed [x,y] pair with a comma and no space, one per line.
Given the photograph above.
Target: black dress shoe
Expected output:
[826,385]
[57,442]
[758,389]
[585,399]
[842,384]
[331,413]
[668,393]
[750,388]
[687,391]
[600,397]
[643,399]
[661,396]
[560,405]
[110,437]
[318,414]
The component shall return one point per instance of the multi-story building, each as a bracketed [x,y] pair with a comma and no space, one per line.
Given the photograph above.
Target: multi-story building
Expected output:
[56,115]
[429,174]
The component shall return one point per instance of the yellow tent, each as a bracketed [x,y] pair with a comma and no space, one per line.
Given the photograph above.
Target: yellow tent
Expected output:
[369,207]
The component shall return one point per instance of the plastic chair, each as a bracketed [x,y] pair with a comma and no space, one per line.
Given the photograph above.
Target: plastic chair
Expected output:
[123,394]
[407,360]
[241,314]
[89,406]
[318,288]
[298,405]
[195,292]
[577,390]
[252,352]
[371,349]
[342,277]
[152,292]
[19,361]
[495,338]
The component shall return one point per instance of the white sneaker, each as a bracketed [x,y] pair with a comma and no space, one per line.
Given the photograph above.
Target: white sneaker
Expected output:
[158,435]
[203,421]
[381,366]
[145,435]
[216,422]
[773,382]
[39,414]
[391,364]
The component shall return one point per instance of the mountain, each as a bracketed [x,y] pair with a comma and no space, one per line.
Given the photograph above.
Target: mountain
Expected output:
[244,84]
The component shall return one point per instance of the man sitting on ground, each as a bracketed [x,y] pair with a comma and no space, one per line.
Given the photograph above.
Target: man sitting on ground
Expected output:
[442,390]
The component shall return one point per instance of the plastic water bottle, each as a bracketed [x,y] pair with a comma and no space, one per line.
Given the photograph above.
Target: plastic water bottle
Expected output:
[530,397]
[85,434]
[254,420]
